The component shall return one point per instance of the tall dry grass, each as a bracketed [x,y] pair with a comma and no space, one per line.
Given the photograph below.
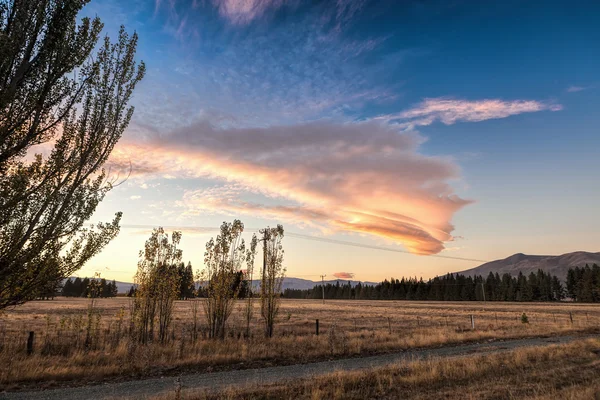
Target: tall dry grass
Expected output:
[556,372]
[346,328]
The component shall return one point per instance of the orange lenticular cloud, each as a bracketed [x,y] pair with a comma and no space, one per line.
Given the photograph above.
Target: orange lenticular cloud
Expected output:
[344,275]
[365,177]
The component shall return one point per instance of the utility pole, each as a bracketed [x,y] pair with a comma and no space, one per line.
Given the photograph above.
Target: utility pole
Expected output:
[483,290]
[323,286]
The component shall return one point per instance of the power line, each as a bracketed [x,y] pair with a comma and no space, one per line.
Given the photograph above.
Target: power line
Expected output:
[308,237]
[373,247]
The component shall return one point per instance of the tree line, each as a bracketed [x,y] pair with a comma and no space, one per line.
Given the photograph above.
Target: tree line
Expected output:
[87,287]
[583,284]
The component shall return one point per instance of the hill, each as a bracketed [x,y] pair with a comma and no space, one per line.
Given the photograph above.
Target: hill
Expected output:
[288,283]
[304,284]
[555,265]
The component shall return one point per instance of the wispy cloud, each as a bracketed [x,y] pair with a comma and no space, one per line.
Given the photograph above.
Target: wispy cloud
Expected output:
[297,71]
[364,177]
[135,197]
[450,111]
[574,89]
[241,12]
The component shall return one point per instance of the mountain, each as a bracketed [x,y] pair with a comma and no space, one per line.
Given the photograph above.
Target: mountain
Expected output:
[288,283]
[304,284]
[555,265]
[122,287]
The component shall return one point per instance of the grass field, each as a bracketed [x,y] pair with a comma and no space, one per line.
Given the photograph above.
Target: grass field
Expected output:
[555,372]
[72,348]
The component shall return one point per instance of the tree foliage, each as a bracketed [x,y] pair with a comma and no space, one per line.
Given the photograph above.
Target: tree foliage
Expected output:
[223,260]
[273,273]
[54,94]
[81,288]
[157,282]
[583,283]
[537,286]
[187,286]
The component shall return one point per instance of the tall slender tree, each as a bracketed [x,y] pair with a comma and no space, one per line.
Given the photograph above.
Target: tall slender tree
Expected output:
[273,273]
[54,94]
[223,260]
[157,282]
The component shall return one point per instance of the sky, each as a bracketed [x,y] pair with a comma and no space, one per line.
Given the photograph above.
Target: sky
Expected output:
[449,131]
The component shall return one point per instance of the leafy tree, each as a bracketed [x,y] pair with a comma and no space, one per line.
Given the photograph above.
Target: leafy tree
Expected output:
[223,259]
[52,93]
[273,273]
[157,282]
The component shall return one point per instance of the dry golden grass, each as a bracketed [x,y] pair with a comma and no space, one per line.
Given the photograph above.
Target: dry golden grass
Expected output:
[346,327]
[554,372]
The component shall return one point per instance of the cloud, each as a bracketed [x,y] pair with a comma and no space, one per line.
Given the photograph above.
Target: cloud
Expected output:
[574,89]
[366,177]
[449,111]
[241,12]
[135,197]
[303,69]
[344,275]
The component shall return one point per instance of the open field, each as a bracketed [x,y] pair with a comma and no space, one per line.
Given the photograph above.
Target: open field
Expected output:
[568,371]
[347,328]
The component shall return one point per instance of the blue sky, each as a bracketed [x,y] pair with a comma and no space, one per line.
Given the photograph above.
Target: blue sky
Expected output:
[459,128]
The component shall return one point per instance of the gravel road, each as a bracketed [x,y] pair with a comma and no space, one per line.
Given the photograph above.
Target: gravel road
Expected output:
[220,380]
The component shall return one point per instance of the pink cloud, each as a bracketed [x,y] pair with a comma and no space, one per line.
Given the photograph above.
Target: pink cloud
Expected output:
[365,177]
[344,275]
[450,111]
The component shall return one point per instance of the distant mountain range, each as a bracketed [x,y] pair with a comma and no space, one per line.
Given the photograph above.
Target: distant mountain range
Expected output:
[555,265]
[288,283]
[304,284]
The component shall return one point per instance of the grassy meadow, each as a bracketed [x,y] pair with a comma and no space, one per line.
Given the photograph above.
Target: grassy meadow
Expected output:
[73,345]
[567,371]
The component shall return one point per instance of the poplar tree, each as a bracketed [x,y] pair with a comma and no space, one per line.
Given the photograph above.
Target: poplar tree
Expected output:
[273,273]
[157,282]
[223,260]
[62,111]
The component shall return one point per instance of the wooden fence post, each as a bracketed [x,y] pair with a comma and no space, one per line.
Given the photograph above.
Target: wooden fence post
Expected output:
[571,317]
[472,322]
[30,343]
[317,327]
